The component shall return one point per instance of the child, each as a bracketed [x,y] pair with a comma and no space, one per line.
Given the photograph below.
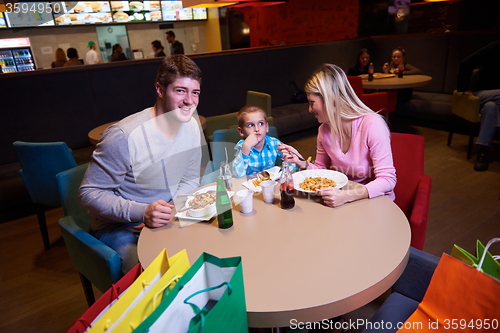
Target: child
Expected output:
[397,56]
[257,152]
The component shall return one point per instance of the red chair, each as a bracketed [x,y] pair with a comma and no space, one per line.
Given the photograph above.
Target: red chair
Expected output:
[383,102]
[413,188]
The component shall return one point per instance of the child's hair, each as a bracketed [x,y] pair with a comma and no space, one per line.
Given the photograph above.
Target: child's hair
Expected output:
[247,109]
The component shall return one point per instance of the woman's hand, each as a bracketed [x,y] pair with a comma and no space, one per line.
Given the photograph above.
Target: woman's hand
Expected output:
[290,157]
[334,197]
[158,214]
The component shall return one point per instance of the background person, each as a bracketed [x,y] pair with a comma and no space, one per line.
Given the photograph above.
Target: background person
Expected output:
[60,57]
[258,151]
[362,64]
[145,160]
[91,57]
[398,56]
[176,47]
[118,54]
[352,139]
[157,48]
[73,58]
[485,85]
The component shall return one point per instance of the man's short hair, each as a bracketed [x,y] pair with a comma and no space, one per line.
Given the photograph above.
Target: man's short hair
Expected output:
[248,109]
[177,66]
[170,33]
[72,53]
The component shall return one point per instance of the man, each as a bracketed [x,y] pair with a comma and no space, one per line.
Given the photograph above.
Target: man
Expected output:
[91,56]
[176,47]
[145,160]
[486,86]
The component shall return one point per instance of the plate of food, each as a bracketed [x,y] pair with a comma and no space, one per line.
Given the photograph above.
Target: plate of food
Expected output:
[203,203]
[378,75]
[311,180]
[254,184]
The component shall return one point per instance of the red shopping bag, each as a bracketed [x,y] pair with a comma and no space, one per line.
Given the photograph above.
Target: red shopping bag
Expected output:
[83,323]
[459,298]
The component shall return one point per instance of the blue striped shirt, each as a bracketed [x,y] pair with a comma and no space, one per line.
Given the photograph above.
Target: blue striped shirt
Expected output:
[257,160]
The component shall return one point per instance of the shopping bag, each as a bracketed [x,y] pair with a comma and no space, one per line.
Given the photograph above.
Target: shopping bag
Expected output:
[210,297]
[459,298]
[161,269]
[105,301]
[490,266]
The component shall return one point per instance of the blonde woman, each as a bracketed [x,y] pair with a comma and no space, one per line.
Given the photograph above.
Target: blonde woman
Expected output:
[352,139]
[60,57]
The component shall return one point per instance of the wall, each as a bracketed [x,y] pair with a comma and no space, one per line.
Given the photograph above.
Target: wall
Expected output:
[300,21]
[140,37]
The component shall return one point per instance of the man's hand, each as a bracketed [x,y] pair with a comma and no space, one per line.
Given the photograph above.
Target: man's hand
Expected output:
[158,214]
[469,92]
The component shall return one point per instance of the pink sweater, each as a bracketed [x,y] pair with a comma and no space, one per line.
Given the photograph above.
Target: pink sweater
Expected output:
[369,158]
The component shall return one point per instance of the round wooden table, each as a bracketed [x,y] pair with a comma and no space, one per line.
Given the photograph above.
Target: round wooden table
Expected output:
[96,134]
[307,264]
[407,81]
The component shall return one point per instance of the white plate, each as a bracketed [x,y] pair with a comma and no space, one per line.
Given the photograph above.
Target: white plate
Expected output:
[275,175]
[185,214]
[339,178]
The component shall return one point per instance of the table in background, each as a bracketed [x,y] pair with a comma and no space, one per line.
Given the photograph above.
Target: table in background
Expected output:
[407,81]
[96,134]
[309,263]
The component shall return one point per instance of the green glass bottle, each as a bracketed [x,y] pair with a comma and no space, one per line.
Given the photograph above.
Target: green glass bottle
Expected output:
[223,205]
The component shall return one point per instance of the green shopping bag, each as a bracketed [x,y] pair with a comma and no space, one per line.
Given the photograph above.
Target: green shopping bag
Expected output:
[209,298]
[490,265]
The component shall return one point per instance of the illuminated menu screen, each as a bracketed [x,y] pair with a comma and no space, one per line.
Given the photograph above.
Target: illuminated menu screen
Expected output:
[136,11]
[3,24]
[173,11]
[29,14]
[82,12]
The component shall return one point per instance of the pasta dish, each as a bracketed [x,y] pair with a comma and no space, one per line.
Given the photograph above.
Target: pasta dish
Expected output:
[204,199]
[316,183]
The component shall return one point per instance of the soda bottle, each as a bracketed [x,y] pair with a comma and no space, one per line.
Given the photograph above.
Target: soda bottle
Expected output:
[223,205]
[286,188]
[401,69]
[370,72]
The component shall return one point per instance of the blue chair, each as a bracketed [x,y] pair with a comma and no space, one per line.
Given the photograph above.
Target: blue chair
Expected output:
[95,262]
[40,162]
[226,139]
[407,292]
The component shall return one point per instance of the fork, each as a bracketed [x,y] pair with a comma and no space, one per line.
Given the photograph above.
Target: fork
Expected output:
[298,156]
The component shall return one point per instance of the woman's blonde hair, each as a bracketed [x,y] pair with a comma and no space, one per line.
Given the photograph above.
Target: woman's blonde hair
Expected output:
[60,55]
[330,83]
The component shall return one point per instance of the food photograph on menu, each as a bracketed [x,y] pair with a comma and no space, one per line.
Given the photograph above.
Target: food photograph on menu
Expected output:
[173,11]
[200,14]
[83,12]
[2,21]
[136,11]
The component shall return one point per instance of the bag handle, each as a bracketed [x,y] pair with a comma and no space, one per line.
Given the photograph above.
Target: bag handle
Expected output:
[494,240]
[197,310]
[165,289]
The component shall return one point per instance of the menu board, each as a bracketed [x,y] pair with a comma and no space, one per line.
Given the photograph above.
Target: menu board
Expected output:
[173,11]
[3,24]
[82,12]
[29,14]
[199,14]
[136,11]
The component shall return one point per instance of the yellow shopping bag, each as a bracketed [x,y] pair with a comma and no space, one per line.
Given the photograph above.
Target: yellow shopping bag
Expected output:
[138,301]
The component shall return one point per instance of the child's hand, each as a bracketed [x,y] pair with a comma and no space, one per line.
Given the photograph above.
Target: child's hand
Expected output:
[251,141]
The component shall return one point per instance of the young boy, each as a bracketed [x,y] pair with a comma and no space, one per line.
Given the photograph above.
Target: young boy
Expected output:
[257,152]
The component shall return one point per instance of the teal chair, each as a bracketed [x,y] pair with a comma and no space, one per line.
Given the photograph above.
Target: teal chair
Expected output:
[226,139]
[40,162]
[95,262]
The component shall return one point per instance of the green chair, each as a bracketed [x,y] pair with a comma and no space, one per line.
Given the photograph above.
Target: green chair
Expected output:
[467,107]
[95,262]
[40,162]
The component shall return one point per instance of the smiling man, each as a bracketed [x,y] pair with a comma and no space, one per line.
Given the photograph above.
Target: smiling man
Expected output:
[145,160]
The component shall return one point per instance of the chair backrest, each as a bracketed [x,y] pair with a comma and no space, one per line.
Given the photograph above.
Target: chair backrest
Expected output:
[40,162]
[408,155]
[263,100]
[228,138]
[68,183]
[356,84]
